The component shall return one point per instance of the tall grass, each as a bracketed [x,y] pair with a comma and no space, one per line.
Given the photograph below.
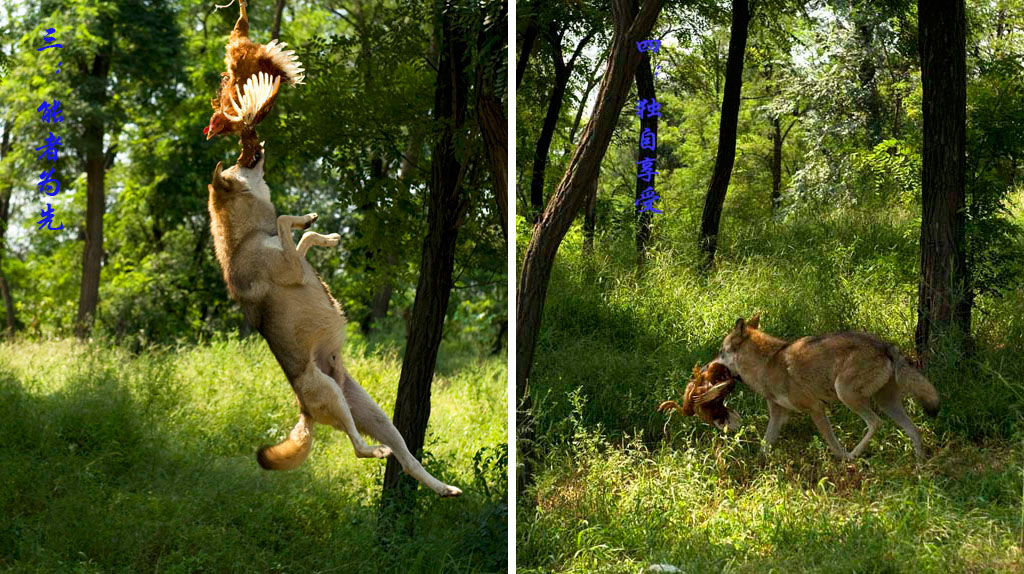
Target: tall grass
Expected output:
[620,486]
[115,462]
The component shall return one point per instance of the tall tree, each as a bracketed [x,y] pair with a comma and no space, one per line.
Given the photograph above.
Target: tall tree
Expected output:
[446,210]
[630,26]
[711,217]
[563,70]
[943,301]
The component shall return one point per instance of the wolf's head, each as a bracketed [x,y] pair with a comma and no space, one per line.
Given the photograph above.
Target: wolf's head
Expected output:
[239,182]
[733,342]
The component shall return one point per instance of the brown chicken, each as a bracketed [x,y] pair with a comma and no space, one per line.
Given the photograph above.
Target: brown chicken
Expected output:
[705,397]
[249,86]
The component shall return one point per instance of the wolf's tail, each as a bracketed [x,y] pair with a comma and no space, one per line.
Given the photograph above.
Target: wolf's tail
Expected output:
[913,382]
[292,451]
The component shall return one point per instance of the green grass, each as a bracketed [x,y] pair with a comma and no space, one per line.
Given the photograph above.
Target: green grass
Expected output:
[619,487]
[113,462]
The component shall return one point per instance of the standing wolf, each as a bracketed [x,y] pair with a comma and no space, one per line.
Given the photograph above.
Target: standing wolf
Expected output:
[285,300]
[807,374]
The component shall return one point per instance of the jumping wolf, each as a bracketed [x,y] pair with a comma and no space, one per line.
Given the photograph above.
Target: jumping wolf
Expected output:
[809,373]
[286,301]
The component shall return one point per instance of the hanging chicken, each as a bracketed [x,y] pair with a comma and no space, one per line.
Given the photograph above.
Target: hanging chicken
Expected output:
[249,86]
[705,397]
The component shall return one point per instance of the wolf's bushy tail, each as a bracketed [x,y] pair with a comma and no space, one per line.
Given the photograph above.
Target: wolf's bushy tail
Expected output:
[292,451]
[913,382]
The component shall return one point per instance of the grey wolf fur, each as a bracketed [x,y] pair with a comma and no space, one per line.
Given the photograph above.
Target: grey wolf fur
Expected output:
[806,375]
[285,300]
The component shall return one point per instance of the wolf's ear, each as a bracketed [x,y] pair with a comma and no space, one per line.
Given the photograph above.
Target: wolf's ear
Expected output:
[755,320]
[740,323]
[220,183]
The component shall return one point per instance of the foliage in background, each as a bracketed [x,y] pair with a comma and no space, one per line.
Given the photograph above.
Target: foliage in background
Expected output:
[352,144]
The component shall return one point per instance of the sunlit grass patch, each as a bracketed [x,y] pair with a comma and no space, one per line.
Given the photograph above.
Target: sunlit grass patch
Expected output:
[116,461]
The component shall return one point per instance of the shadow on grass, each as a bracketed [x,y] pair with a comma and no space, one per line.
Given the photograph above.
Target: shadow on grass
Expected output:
[91,484]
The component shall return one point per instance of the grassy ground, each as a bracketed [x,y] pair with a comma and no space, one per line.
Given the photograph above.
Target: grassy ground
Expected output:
[619,487]
[145,463]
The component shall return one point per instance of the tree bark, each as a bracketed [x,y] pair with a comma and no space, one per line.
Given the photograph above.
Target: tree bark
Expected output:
[540,154]
[944,290]
[494,127]
[11,321]
[275,29]
[776,164]
[92,255]
[726,157]
[569,196]
[529,39]
[590,216]
[446,211]
[645,91]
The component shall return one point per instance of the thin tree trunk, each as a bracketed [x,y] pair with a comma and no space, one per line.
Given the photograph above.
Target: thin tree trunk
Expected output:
[726,157]
[5,217]
[275,29]
[776,164]
[547,132]
[446,211]
[567,199]
[645,91]
[563,71]
[529,39]
[944,302]
[95,171]
[92,255]
[592,81]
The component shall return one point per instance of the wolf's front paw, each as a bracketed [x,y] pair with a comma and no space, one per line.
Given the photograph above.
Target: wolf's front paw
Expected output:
[310,219]
[332,240]
[449,491]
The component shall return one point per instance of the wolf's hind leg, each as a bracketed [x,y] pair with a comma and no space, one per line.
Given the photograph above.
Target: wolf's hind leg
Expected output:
[311,238]
[861,406]
[890,400]
[328,405]
[374,422]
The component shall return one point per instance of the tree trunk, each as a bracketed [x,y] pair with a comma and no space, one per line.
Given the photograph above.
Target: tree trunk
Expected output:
[540,155]
[92,255]
[645,91]
[563,71]
[712,215]
[944,289]
[494,127]
[446,210]
[776,164]
[529,39]
[590,216]
[569,196]
[5,217]
[591,84]
[95,171]
[275,29]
